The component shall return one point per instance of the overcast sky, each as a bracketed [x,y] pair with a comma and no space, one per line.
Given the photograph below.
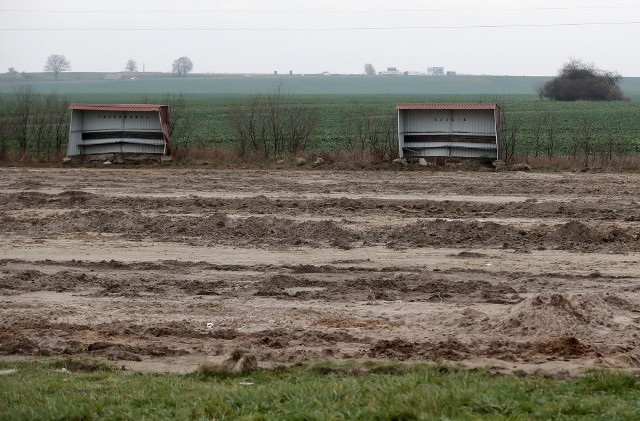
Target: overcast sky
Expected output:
[517,37]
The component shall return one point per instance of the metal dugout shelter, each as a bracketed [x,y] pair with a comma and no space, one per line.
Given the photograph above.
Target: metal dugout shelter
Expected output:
[119,128]
[448,130]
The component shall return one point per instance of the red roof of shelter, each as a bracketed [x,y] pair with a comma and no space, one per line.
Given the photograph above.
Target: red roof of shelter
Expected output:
[117,107]
[447,106]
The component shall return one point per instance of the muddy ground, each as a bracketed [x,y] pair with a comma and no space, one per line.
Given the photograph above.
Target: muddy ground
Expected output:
[157,268]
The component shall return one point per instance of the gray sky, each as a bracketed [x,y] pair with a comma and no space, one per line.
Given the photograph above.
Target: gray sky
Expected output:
[497,37]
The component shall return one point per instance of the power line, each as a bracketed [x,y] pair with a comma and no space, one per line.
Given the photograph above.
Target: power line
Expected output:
[477,9]
[361,28]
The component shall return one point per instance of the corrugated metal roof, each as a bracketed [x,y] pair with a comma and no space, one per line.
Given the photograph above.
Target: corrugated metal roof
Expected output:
[446,106]
[116,107]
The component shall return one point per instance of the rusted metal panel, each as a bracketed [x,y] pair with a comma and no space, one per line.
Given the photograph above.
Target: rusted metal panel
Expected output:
[446,106]
[117,107]
[164,122]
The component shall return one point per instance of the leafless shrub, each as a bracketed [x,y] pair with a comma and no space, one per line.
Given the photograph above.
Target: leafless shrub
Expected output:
[182,128]
[509,136]
[49,124]
[24,99]
[367,133]
[273,125]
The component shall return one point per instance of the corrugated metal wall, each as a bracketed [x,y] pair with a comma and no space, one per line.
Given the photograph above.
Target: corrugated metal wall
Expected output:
[94,122]
[447,133]
[118,120]
[475,122]
[75,133]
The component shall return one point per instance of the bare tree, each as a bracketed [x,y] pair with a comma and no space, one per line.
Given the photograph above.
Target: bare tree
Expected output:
[368,132]
[182,66]
[49,124]
[39,127]
[250,123]
[4,132]
[539,122]
[131,66]
[607,147]
[25,98]
[540,91]
[369,70]
[59,118]
[181,124]
[57,63]
[509,136]
[550,125]
[582,140]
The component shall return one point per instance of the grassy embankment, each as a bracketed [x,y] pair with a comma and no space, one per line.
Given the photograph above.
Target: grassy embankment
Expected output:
[73,389]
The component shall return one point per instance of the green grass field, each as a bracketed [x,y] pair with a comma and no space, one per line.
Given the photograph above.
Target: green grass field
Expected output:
[337,98]
[84,390]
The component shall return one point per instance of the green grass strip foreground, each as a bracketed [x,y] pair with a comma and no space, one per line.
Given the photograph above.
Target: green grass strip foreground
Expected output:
[86,390]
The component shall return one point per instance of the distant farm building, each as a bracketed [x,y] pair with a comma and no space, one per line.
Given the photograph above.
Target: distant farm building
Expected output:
[448,130]
[391,71]
[122,128]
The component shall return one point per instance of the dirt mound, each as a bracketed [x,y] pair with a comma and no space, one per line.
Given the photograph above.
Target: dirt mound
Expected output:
[280,285]
[95,221]
[557,314]
[283,338]
[16,343]
[404,287]
[575,233]
[206,226]
[399,349]
[564,347]
[453,233]
[216,228]
[34,280]
[271,231]
[443,288]
[119,351]
[351,322]
[285,232]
